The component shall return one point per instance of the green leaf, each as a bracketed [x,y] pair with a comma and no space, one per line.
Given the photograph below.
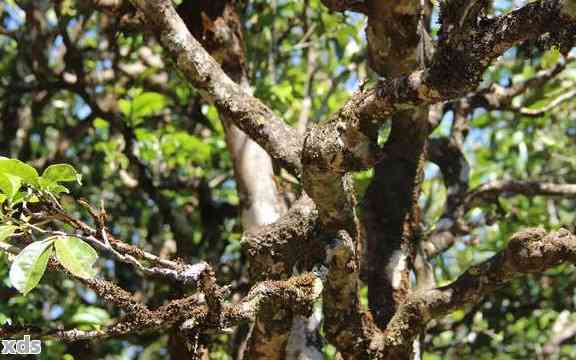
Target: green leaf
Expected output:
[68,8]
[125,106]
[29,266]
[283,91]
[185,147]
[76,256]
[19,169]
[10,184]
[3,319]
[61,173]
[148,103]
[6,231]
[57,189]
[550,57]
[100,123]
[20,197]
[90,315]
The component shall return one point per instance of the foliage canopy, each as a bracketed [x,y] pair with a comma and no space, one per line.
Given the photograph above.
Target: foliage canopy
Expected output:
[124,189]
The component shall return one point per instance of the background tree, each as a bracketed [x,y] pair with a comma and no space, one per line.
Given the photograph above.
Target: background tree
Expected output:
[289,179]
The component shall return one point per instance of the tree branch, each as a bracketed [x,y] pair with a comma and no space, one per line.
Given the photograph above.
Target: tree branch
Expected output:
[567,96]
[249,114]
[275,249]
[528,251]
[527,188]
[295,294]
[498,97]
[448,154]
[342,144]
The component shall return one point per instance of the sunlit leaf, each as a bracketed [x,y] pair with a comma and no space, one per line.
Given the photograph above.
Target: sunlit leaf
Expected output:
[551,57]
[100,123]
[17,168]
[10,184]
[29,266]
[148,103]
[76,256]
[125,106]
[68,8]
[61,173]
[57,189]
[21,196]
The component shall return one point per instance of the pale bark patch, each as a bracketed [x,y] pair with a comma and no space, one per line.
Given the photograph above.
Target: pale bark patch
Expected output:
[396,268]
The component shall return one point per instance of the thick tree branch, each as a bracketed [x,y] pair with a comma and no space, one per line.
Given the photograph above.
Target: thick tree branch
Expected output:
[393,36]
[290,242]
[346,5]
[218,27]
[528,251]
[342,144]
[457,15]
[347,326]
[346,141]
[396,33]
[296,294]
[249,114]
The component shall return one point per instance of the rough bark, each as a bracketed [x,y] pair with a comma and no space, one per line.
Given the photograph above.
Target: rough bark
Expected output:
[218,26]
[528,251]
[280,141]
[345,143]
[289,243]
[392,217]
[456,68]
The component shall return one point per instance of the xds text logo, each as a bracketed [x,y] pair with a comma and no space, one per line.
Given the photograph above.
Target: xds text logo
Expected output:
[24,346]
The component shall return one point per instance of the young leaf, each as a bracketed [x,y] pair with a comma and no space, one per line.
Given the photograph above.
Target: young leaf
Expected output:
[57,189]
[6,231]
[148,103]
[19,197]
[126,107]
[76,256]
[29,266]
[61,173]
[19,169]
[10,184]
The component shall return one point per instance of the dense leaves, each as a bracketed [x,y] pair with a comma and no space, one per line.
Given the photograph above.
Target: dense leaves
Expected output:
[89,100]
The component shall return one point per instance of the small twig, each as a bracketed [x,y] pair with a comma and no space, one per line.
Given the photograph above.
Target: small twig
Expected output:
[553,104]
